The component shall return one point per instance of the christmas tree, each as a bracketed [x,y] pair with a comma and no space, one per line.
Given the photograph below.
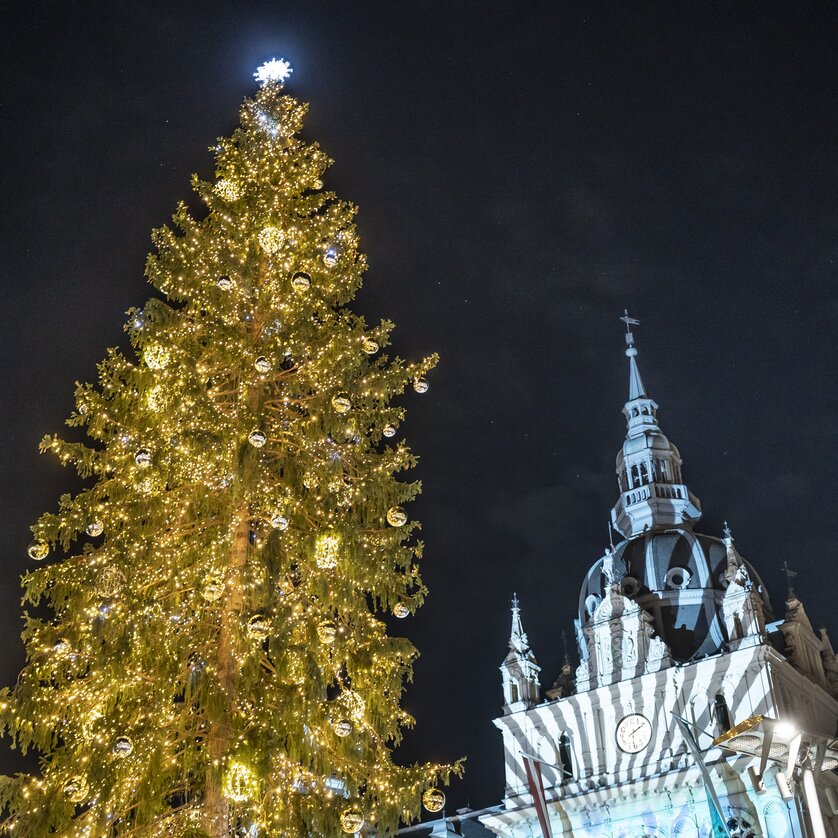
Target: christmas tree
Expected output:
[212,658]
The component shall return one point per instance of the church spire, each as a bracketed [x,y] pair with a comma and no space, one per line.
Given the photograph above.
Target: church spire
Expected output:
[518,642]
[519,668]
[652,492]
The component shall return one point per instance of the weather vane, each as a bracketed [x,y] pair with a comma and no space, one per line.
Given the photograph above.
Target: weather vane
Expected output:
[629,321]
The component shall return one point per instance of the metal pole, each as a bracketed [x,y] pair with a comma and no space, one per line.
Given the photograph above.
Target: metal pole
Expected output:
[813,805]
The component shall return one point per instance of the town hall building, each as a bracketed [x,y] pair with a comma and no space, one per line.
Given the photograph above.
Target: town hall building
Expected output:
[678,644]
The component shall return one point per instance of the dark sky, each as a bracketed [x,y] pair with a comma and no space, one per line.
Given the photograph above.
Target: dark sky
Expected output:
[524,171]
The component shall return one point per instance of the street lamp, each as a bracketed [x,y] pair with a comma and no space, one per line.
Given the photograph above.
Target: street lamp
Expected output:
[802,755]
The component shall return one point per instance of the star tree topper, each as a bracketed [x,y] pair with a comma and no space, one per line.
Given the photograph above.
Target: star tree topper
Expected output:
[274,71]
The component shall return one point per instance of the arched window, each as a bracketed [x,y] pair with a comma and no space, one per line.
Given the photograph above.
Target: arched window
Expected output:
[566,756]
[722,713]
[513,692]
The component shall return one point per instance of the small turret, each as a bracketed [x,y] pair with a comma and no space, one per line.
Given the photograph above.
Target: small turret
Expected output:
[519,669]
[742,605]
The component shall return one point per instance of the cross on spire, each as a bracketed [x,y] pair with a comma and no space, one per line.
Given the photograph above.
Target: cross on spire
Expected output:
[790,574]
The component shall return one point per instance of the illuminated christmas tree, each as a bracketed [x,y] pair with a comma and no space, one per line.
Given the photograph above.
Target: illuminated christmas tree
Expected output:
[214,661]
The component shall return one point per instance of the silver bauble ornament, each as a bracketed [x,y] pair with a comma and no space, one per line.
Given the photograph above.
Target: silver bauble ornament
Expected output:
[95,528]
[396,517]
[256,438]
[433,800]
[38,550]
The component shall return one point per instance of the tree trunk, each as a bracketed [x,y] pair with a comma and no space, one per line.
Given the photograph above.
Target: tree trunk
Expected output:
[215,804]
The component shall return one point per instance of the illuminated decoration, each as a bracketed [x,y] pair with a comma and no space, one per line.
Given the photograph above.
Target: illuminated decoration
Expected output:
[420,385]
[274,71]
[301,281]
[192,623]
[433,800]
[227,190]
[279,522]
[271,239]
[327,550]
[155,356]
[351,820]
[109,582]
[355,705]
[327,632]
[341,404]
[389,431]
[342,727]
[213,587]
[38,550]
[400,610]
[396,517]
[76,789]
[258,628]
[94,528]
[256,438]
[369,346]
[240,782]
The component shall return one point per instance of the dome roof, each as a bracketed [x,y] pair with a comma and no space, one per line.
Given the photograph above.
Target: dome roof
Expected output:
[678,577]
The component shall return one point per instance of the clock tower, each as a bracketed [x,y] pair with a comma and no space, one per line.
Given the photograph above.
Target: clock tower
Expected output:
[677,643]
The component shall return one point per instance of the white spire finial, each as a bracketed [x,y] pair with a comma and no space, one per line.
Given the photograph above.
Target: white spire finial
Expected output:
[276,70]
[629,321]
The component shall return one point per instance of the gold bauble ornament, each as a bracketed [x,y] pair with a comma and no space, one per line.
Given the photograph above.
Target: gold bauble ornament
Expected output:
[301,281]
[351,820]
[389,431]
[143,458]
[342,727]
[279,522]
[420,385]
[369,346]
[271,239]
[213,586]
[94,528]
[318,184]
[123,747]
[228,190]
[433,800]
[396,517]
[327,632]
[330,257]
[262,364]
[258,628]
[155,356]
[341,403]
[110,582]
[224,283]
[326,550]
[400,610]
[240,783]
[38,550]
[256,438]
[76,789]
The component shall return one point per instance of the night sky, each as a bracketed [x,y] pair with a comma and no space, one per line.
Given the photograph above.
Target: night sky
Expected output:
[524,171]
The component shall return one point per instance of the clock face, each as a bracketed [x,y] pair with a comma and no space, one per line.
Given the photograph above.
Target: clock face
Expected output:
[634,732]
